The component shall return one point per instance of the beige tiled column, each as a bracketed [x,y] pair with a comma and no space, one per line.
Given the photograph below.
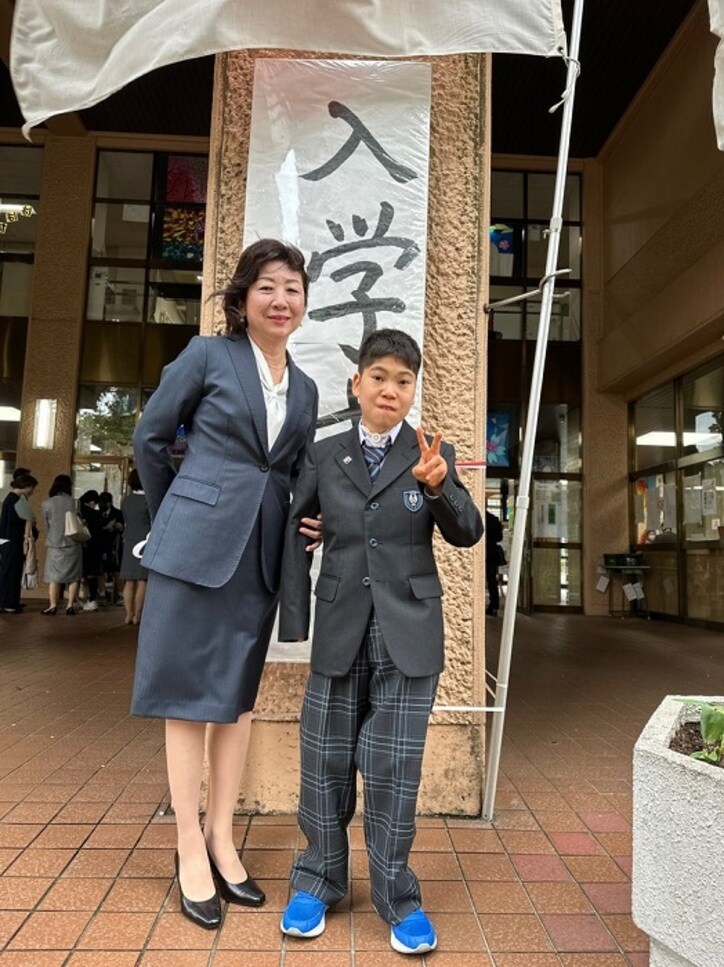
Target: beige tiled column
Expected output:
[453,402]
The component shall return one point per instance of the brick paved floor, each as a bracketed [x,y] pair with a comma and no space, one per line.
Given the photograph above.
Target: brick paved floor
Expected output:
[85,859]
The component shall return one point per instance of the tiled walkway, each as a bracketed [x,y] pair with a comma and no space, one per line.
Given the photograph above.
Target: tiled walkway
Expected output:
[86,860]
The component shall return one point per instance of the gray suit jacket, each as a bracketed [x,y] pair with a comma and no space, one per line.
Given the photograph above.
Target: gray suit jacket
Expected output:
[377,554]
[202,518]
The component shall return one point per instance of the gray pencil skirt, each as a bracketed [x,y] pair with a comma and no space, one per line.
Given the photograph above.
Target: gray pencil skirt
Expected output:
[201,651]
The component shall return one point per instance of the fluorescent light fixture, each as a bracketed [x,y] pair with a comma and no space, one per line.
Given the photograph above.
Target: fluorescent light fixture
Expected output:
[667,438]
[44,427]
[9,414]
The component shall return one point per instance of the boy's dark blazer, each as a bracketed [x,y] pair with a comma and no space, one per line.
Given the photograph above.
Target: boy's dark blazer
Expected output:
[377,553]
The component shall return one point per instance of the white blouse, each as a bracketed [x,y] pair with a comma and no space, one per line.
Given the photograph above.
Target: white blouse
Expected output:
[275,395]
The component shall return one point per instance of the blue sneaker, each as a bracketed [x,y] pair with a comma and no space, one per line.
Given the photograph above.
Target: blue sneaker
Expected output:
[414,935]
[304,916]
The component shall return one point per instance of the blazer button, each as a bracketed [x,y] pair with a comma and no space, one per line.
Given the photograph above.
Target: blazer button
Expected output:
[366,582]
[264,467]
[374,505]
[373,542]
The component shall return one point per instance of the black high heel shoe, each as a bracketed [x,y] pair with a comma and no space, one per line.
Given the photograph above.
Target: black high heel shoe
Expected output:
[204,913]
[246,893]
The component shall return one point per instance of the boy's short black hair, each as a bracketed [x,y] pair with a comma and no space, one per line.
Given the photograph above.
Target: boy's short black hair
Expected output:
[389,342]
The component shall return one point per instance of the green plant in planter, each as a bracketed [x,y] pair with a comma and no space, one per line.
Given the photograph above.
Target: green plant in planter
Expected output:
[711,724]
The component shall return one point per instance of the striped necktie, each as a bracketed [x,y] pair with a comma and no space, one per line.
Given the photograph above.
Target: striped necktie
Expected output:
[375,457]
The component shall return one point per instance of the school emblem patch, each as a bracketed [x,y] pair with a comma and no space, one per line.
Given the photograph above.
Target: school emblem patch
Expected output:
[412,499]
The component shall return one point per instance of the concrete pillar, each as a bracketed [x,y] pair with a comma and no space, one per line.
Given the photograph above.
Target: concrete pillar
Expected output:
[57,308]
[605,461]
[453,402]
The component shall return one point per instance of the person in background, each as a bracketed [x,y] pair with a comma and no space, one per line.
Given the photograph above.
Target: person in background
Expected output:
[93,549]
[64,556]
[136,525]
[111,547]
[12,540]
[494,557]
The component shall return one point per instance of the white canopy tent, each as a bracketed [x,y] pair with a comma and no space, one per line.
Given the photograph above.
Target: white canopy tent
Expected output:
[69,54]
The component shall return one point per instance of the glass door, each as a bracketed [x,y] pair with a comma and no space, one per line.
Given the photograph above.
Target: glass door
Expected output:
[104,473]
[556,538]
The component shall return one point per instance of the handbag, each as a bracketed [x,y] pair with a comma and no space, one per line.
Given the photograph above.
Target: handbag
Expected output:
[30,564]
[75,529]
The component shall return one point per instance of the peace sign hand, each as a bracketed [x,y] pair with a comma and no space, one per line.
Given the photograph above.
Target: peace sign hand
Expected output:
[432,469]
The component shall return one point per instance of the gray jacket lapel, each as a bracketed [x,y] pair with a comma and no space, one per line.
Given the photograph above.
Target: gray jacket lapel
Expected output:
[350,460]
[242,356]
[405,452]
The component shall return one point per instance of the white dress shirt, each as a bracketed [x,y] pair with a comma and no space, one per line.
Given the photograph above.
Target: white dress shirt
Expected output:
[378,439]
[275,395]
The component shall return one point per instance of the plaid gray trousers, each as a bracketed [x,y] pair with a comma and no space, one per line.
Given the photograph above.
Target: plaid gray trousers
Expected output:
[373,719]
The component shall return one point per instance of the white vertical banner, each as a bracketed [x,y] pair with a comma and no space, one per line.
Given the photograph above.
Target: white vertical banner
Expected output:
[338,166]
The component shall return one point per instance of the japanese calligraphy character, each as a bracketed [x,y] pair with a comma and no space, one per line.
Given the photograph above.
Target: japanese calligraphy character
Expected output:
[370,271]
[360,134]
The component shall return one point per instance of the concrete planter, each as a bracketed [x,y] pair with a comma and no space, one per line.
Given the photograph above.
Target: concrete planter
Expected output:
[678,846]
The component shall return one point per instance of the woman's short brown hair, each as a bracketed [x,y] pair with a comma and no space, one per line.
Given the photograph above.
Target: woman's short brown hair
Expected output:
[252,260]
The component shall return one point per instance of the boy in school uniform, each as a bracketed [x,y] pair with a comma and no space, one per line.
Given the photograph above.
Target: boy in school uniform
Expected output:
[377,650]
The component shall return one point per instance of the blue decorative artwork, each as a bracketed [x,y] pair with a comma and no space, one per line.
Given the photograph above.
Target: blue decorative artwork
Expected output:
[497,449]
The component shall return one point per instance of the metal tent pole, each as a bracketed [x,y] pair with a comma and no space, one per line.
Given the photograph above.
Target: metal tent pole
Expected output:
[522,502]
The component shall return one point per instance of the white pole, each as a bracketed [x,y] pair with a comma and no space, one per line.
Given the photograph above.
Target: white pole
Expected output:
[522,503]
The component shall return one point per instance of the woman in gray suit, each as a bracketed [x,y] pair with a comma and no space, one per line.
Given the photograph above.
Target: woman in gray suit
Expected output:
[214,553]
[64,556]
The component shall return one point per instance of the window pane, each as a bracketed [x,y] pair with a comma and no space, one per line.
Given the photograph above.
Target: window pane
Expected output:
[654,500]
[705,584]
[175,298]
[20,219]
[540,197]
[13,336]
[179,234]
[182,178]
[557,510]
[120,231]
[565,318]
[111,354]
[558,439]
[124,174]
[106,420]
[704,502]
[703,393]
[506,250]
[506,194]
[569,253]
[556,576]
[21,169]
[10,393]
[161,345]
[15,281]
[655,427]
[115,293]
[508,320]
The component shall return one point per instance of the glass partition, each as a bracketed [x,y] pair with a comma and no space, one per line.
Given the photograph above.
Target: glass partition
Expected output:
[655,508]
[655,428]
[703,404]
[106,420]
[703,501]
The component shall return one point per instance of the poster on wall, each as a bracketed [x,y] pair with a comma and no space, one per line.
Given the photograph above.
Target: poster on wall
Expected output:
[338,166]
[497,443]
